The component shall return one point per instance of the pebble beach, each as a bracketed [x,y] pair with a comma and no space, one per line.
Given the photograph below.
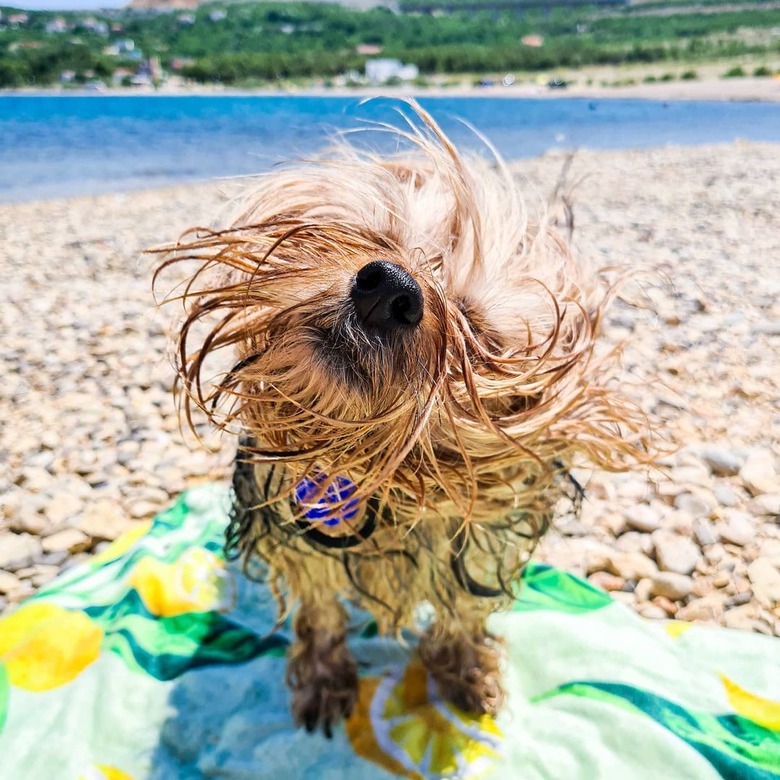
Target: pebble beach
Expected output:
[91,446]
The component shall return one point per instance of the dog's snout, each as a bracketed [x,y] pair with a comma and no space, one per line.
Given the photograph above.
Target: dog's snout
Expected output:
[386,297]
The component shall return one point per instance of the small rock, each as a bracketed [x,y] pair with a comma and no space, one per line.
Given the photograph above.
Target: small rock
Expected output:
[738,599]
[63,508]
[705,533]
[630,566]
[765,504]
[28,521]
[17,550]
[722,461]
[693,475]
[715,554]
[8,582]
[668,491]
[770,328]
[654,612]
[141,509]
[671,585]
[570,526]
[52,558]
[633,541]
[725,495]
[69,539]
[24,590]
[758,474]
[43,575]
[675,553]
[770,551]
[669,607]
[606,581]
[104,520]
[765,579]
[694,504]
[737,530]
[709,608]
[629,599]
[741,617]
[597,557]
[704,586]
[642,518]
[643,588]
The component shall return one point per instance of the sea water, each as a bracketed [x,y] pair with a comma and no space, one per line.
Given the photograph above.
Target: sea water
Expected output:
[59,146]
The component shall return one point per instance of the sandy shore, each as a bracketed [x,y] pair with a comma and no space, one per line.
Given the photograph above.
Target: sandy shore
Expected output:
[91,444]
[593,83]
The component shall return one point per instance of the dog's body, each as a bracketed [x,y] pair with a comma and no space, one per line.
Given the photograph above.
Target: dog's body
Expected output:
[414,375]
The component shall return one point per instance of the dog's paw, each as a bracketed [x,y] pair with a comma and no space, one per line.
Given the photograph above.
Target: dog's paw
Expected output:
[324,687]
[478,692]
[467,672]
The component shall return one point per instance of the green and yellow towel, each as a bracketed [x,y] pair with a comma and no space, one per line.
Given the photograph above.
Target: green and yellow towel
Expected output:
[157,660]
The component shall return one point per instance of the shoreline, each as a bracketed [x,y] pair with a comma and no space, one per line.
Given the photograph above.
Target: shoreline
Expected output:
[746,89]
[229,182]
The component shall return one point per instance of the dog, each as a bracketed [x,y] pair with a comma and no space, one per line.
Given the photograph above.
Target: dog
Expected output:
[414,374]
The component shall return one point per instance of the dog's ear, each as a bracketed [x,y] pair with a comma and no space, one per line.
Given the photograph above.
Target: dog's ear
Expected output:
[246,513]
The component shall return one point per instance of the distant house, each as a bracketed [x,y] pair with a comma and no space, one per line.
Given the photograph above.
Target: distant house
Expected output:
[24,45]
[17,19]
[67,76]
[380,71]
[217,16]
[368,49]
[120,75]
[179,63]
[57,25]
[125,45]
[186,20]
[94,25]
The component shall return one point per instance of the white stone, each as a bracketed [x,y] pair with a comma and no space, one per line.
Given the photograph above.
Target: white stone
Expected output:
[17,550]
[671,585]
[675,553]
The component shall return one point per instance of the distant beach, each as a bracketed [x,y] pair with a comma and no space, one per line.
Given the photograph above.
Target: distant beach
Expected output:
[708,86]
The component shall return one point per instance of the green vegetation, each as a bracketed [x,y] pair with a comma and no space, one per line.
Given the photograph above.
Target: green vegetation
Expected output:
[245,43]
[735,73]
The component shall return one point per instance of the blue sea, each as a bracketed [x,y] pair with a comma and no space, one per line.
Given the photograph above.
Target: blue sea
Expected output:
[56,146]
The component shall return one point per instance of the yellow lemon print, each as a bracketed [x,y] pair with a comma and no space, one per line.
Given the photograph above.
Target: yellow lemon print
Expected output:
[762,711]
[104,772]
[676,628]
[44,646]
[193,583]
[402,724]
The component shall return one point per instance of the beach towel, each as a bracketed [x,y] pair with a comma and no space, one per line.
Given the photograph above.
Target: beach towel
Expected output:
[157,659]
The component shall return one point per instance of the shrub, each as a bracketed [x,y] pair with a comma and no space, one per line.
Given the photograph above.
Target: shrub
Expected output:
[762,70]
[689,75]
[735,73]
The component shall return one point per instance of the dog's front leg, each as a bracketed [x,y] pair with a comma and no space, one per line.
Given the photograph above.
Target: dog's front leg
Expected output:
[321,671]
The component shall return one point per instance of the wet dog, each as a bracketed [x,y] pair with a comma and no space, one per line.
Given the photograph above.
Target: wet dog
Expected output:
[413,375]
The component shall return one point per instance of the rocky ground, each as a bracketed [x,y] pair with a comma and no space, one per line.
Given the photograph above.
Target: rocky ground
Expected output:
[90,441]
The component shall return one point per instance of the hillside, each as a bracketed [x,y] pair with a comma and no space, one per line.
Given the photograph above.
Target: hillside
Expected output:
[257,43]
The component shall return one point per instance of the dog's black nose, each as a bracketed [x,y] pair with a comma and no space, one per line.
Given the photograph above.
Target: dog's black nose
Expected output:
[386,297]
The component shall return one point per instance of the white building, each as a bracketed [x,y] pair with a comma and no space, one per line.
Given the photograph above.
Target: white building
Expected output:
[380,71]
